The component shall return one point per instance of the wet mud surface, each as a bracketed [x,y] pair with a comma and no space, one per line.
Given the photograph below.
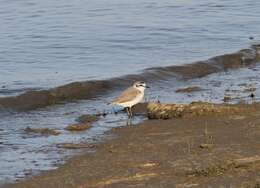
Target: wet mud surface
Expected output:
[200,151]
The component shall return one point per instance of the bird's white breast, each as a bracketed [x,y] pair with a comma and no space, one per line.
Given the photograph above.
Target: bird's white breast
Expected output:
[133,102]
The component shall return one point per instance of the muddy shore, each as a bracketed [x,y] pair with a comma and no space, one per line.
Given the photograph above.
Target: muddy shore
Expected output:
[198,151]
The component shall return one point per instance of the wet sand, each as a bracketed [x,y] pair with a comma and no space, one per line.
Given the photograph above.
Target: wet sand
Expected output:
[205,151]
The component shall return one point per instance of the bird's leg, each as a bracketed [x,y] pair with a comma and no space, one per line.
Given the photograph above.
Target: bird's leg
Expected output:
[127,110]
[130,110]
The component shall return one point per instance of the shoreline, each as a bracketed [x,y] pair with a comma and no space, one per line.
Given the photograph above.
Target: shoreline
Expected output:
[36,99]
[184,152]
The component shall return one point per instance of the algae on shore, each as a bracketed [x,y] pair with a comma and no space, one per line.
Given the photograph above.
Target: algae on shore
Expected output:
[168,111]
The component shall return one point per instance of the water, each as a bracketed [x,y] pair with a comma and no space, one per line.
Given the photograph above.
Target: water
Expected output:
[24,154]
[48,43]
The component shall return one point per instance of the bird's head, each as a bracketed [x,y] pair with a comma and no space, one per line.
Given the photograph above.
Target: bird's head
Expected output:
[140,85]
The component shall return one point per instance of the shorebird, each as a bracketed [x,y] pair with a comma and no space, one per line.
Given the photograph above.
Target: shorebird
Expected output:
[131,96]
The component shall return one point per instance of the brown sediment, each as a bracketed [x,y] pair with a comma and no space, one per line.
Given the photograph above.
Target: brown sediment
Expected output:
[88,89]
[78,127]
[189,89]
[168,153]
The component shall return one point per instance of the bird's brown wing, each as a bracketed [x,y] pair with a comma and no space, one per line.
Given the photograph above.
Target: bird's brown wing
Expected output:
[127,95]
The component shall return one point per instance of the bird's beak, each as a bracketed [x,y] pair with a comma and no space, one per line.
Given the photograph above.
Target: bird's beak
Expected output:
[147,87]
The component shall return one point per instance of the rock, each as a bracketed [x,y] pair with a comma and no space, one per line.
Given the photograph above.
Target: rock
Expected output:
[43,131]
[189,89]
[78,127]
[74,146]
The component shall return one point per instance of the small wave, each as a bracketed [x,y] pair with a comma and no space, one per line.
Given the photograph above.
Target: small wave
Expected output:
[90,89]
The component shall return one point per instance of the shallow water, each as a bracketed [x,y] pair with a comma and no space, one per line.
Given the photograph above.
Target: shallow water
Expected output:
[45,44]
[49,43]
[24,154]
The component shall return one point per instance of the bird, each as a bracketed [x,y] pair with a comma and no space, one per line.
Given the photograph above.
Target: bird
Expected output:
[131,96]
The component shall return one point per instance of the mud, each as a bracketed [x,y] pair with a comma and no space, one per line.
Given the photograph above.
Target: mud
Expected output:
[168,153]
